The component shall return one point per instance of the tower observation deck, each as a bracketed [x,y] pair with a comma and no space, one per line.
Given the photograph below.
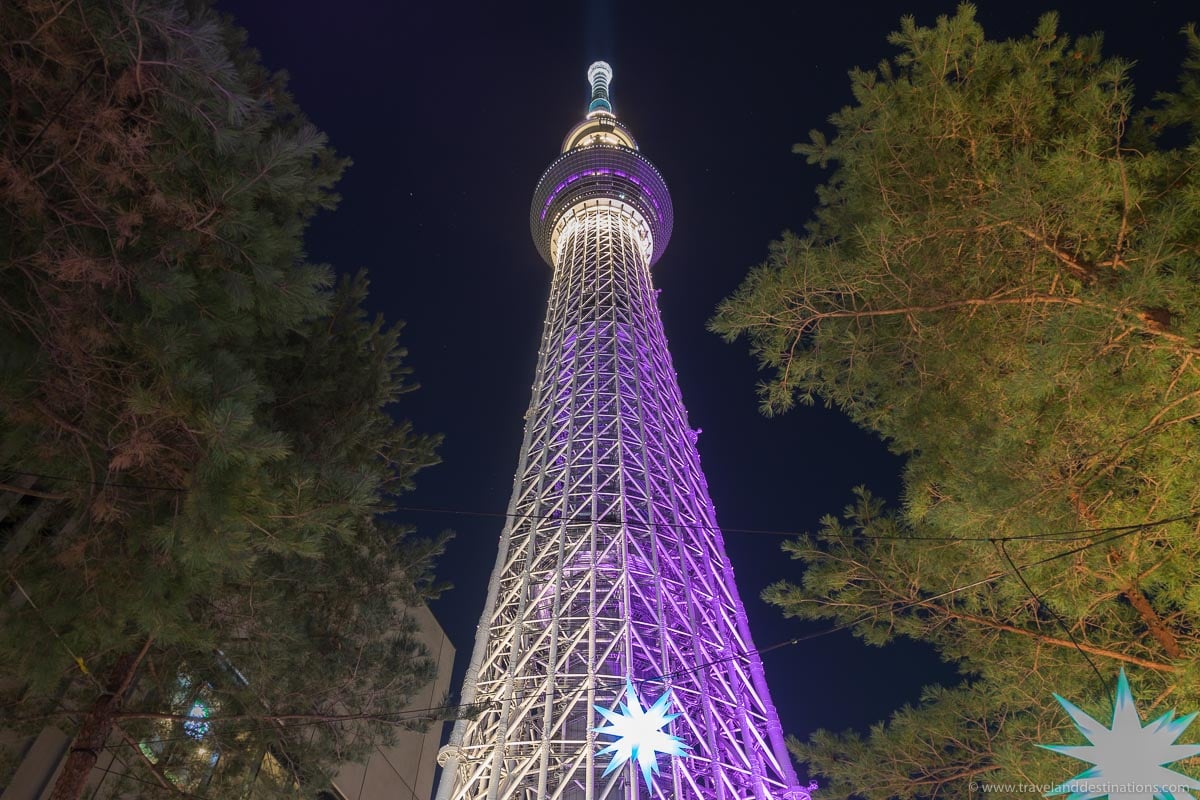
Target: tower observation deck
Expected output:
[611,589]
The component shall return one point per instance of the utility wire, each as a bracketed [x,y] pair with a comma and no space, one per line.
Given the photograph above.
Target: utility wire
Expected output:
[419,715]
[79,662]
[128,774]
[1000,548]
[481,705]
[94,483]
[1064,535]
[57,113]
[956,590]
[1118,532]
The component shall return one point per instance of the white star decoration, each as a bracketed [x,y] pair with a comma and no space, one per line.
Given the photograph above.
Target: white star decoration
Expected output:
[639,734]
[1130,760]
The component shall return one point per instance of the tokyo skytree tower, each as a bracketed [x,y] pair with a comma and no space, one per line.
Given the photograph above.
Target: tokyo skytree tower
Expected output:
[613,658]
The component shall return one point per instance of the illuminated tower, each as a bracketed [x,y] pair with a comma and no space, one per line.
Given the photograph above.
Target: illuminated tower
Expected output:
[612,587]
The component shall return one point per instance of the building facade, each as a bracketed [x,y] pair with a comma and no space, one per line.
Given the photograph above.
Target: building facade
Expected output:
[405,770]
[29,762]
[612,599]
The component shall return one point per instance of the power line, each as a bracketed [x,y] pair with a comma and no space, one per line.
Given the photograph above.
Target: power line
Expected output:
[128,774]
[1120,531]
[1061,622]
[1063,535]
[481,705]
[406,715]
[79,662]
[58,112]
[420,715]
[94,483]
[948,593]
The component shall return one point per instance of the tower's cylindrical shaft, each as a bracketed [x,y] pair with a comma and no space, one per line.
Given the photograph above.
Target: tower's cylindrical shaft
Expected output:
[611,568]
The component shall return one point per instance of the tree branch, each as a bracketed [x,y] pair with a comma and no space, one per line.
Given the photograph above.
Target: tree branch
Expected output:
[1160,632]
[1084,271]
[8,487]
[163,781]
[1044,639]
[1142,319]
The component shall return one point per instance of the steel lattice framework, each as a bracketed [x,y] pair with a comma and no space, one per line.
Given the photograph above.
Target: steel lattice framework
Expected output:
[611,565]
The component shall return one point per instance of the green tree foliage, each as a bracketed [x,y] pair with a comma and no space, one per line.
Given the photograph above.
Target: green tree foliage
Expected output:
[1002,281]
[213,411]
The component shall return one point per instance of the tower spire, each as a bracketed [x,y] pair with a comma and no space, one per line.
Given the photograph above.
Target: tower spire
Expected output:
[599,75]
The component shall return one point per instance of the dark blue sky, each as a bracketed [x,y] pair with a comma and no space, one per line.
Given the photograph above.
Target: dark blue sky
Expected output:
[451,111]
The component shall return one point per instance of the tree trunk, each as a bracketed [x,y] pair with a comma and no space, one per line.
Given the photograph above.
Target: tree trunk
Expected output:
[95,728]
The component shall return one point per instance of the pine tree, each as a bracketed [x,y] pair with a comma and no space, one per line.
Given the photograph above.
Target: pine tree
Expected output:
[204,414]
[1002,280]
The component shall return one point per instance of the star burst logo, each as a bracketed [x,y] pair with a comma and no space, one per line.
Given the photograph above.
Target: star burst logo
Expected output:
[1129,760]
[639,733]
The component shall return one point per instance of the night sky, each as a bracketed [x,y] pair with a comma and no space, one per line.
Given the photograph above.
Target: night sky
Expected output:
[451,111]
